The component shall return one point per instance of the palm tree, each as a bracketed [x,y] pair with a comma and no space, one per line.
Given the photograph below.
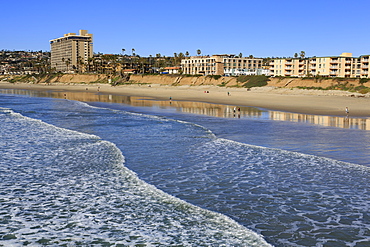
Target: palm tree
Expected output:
[302,54]
[89,61]
[174,58]
[180,57]
[187,53]
[68,62]
[132,51]
[199,52]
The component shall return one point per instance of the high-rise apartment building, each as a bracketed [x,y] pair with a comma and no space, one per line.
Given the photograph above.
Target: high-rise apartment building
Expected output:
[72,51]
[228,65]
[339,66]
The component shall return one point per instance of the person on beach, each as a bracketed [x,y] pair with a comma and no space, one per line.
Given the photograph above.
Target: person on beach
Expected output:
[347,111]
[228,93]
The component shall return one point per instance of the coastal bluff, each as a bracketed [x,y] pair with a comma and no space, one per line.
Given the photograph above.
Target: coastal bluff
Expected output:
[183,80]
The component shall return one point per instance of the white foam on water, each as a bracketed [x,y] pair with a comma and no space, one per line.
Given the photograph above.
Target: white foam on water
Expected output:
[64,187]
[293,198]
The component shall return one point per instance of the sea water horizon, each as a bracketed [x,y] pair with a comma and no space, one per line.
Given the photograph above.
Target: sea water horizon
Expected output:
[111,174]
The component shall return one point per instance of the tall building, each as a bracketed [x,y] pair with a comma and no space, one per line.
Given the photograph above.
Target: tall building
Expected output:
[228,65]
[72,51]
[339,66]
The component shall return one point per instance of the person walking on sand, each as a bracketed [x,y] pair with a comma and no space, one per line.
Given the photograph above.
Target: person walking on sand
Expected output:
[347,111]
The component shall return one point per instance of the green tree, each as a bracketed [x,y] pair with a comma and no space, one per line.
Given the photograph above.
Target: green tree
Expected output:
[240,55]
[68,62]
[187,53]
[199,52]
[296,55]
[302,54]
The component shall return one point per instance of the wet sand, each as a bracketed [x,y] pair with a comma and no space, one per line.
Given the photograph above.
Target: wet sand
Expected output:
[314,102]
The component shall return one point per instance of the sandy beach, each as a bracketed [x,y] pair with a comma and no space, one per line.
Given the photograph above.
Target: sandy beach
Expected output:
[315,102]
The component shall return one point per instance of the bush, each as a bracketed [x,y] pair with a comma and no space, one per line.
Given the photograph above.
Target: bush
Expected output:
[188,75]
[253,80]
[243,78]
[216,77]
[364,90]
[223,84]
[364,80]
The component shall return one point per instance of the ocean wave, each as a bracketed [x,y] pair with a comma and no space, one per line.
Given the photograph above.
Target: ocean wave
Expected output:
[67,187]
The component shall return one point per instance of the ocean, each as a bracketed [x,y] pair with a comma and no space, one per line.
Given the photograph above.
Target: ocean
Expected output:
[88,169]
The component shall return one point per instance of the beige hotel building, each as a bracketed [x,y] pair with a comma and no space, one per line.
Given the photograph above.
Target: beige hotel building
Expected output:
[340,66]
[228,65]
[71,50]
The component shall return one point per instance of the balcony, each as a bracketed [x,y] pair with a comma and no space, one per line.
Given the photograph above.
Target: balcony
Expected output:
[334,67]
[333,73]
[288,68]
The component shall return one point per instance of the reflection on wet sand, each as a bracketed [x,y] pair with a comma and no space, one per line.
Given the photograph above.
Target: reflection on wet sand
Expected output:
[224,111]
[330,121]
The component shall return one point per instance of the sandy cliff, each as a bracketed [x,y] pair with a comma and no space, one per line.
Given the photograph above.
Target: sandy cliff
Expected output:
[175,80]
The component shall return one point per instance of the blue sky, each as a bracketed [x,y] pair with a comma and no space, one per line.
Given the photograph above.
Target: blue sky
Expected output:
[269,28]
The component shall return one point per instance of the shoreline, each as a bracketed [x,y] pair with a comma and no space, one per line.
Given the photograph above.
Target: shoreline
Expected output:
[313,102]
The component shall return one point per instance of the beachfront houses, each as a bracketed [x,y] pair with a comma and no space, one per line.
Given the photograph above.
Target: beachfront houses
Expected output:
[344,65]
[171,70]
[226,64]
[72,51]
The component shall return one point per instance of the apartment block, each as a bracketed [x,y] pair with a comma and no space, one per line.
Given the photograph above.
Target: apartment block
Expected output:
[226,64]
[289,67]
[338,66]
[71,51]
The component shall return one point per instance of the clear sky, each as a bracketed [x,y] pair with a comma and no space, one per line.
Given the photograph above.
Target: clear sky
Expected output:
[269,28]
